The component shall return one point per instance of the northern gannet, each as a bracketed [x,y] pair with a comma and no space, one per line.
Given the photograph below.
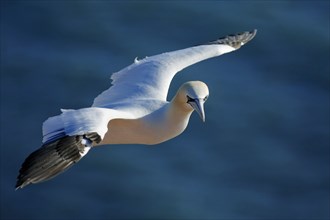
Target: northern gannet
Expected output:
[134,110]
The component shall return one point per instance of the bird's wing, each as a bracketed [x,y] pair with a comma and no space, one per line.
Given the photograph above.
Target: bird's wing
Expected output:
[53,158]
[67,138]
[150,78]
[80,122]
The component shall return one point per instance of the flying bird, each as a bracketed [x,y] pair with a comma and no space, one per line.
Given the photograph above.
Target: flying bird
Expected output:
[134,110]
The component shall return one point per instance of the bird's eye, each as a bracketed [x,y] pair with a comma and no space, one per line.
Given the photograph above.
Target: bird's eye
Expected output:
[205,98]
[189,99]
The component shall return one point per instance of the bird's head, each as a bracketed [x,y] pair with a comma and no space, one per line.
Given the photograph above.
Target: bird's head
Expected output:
[193,94]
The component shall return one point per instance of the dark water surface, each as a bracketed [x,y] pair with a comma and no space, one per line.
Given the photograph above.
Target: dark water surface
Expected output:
[263,152]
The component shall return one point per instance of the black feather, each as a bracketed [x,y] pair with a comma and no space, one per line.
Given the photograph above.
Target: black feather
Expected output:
[236,40]
[53,158]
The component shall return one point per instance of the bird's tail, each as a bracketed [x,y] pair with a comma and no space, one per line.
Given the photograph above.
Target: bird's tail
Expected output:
[54,158]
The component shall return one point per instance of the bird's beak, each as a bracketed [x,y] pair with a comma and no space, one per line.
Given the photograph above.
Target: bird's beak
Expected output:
[198,106]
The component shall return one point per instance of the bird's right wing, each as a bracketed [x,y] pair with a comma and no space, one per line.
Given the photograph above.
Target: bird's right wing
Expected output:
[150,78]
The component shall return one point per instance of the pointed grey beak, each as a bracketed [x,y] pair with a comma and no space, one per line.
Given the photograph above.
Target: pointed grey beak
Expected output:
[198,106]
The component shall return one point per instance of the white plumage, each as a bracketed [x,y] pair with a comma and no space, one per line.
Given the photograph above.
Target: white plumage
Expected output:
[134,110]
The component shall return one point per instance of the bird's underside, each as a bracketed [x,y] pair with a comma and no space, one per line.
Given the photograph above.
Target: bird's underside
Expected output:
[69,136]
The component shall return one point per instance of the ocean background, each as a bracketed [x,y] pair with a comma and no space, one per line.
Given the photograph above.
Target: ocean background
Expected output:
[263,152]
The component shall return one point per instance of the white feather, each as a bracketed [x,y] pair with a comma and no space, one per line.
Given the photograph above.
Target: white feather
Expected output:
[150,78]
[79,122]
[133,111]
[137,90]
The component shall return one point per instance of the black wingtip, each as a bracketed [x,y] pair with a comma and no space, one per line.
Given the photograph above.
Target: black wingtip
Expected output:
[236,40]
[52,159]
[19,185]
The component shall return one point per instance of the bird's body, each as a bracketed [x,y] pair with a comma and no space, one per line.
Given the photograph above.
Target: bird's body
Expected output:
[134,110]
[160,122]
[143,131]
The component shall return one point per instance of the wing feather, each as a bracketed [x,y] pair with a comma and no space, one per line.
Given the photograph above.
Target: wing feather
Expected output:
[51,159]
[80,122]
[150,78]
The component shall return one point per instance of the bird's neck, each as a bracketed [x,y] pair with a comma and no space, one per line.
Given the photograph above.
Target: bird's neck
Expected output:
[178,106]
[178,113]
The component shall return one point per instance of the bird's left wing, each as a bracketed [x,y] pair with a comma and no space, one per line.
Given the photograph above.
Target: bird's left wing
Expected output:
[80,122]
[150,78]
[67,138]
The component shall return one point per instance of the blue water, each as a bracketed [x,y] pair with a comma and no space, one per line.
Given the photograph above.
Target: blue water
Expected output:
[263,152]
